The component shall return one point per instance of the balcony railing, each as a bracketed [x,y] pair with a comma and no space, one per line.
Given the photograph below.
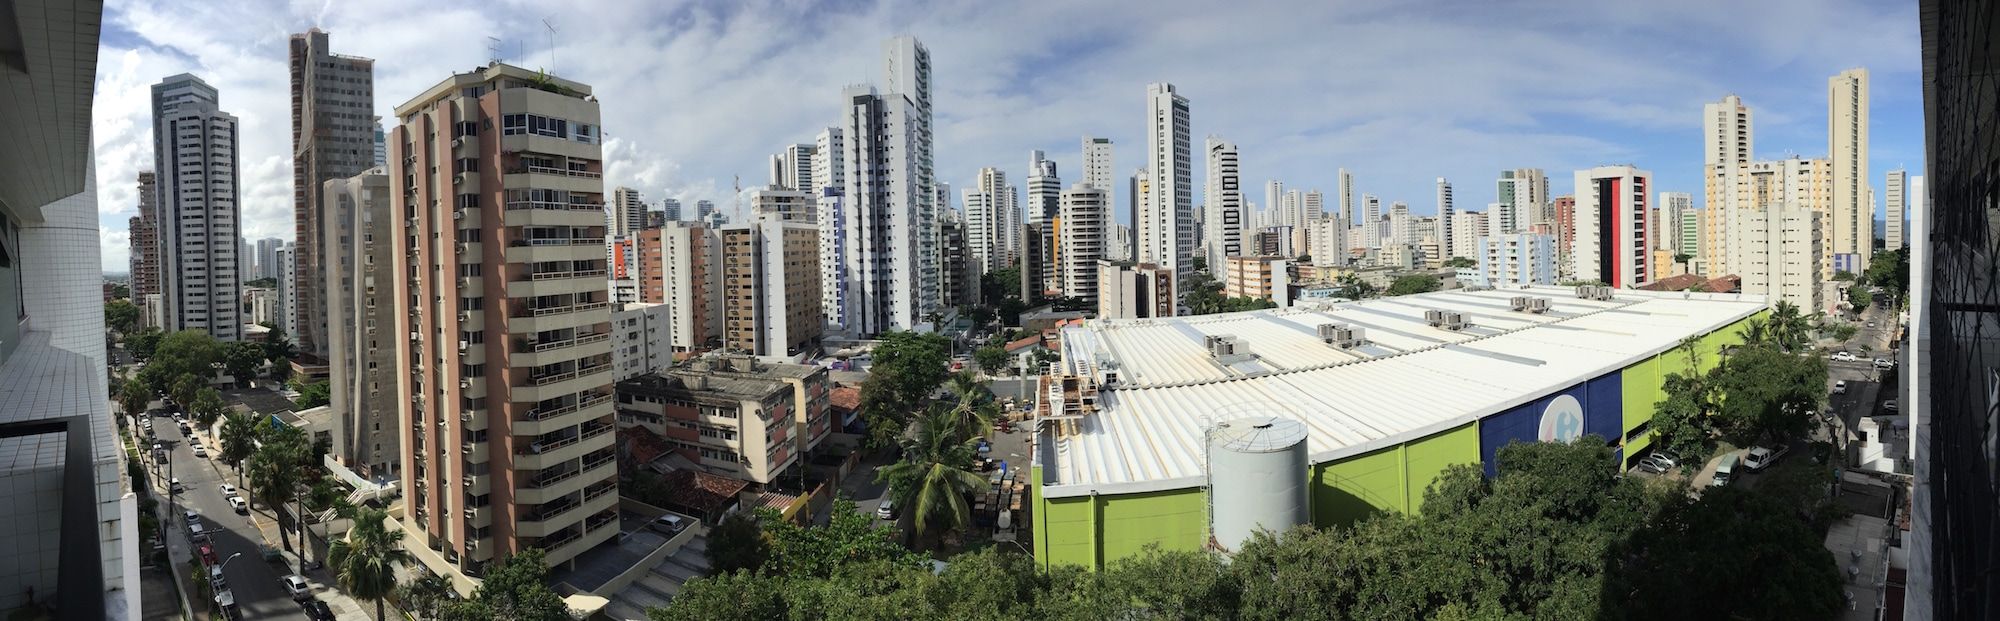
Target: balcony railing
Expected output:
[544,311]
[555,206]
[545,170]
[544,414]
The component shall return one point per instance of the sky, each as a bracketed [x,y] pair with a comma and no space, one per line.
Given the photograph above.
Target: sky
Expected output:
[696,94]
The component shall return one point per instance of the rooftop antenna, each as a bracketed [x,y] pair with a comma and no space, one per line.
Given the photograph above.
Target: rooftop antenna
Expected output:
[492,50]
[552,44]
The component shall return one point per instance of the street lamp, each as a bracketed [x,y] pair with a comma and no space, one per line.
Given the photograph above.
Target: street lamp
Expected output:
[225,562]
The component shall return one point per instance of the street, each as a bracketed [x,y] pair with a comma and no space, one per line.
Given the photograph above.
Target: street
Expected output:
[251,579]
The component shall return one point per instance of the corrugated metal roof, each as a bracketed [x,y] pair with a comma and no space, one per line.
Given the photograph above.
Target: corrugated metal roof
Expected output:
[1411,380]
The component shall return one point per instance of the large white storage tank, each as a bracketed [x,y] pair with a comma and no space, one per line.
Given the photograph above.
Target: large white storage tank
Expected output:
[1256,478]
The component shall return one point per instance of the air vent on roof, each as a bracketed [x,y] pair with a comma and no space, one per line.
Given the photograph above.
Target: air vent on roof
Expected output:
[1594,292]
[1449,320]
[1342,336]
[1530,304]
[1328,330]
[1226,349]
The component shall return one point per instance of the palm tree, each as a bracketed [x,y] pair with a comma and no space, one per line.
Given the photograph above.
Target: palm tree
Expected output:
[207,407]
[184,389]
[133,398]
[275,471]
[425,596]
[364,562]
[239,440]
[972,415]
[1788,328]
[935,475]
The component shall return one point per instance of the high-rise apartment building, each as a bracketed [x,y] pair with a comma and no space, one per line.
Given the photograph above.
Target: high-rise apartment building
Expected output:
[359,262]
[1670,209]
[1847,145]
[1777,255]
[1516,259]
[992,221]
[194,152]
[1274,205]
[1612,244]
[502,323]
[793,168]
[889,227]
[680,265]
[961,273]
[1346,191]
[1445,219]
[1165,225]
[1728,141]
[732,414]
[770,287]
[1727,133]
[333,137]
[288,287]
[145,229]
[670,208]
[830,177]
[1134,292]
[1897,195]
[625,214]
[1097,165]
[1467,227]
[381,144]
[1223,207]
[267,257]
[641,339]
[1044,189]
[1751,186]
[1371,221]
[1915,197]
[1085,231]
[1524,193]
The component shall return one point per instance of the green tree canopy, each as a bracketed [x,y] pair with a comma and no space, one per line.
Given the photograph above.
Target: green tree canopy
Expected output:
[991,358]
[515,588]
[1843,276]
[1414,283]
[1458,262]
[144,343]
[908,368]
[241,359]
[313,395]
[738,543]
[1859,297]
[121,316]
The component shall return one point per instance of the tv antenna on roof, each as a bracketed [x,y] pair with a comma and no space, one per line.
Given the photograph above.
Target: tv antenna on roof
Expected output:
[552,44]
[492,50]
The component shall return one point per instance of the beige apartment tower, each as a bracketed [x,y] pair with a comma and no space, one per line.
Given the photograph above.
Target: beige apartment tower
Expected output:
[1847,145]
[770,287]
[359,271]
[333,137]
[502,324]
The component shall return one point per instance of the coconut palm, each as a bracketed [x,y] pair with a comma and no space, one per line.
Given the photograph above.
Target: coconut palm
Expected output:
[364,562]
[1788,329]
[424,597]
[973,413]
[239,440]
[207,407]
[935,476]
[134,397]
[276,470]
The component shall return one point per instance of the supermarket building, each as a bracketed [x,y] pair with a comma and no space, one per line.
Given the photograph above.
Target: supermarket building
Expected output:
[1389,393]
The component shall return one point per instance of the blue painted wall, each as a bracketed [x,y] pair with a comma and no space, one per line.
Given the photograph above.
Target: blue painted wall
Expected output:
[1593,407]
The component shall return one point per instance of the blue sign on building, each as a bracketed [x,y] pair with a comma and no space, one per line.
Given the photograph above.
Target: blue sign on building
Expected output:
[1595,407]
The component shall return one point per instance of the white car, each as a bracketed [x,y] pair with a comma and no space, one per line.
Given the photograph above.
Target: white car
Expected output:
[200,451]
[1844,356]
[1760,457]
[1840,387]
[237,503]
[227,489]
[1884,363]
[296,585]
[887,511]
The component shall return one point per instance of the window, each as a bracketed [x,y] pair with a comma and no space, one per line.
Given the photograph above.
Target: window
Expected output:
[586,133]
[513,124]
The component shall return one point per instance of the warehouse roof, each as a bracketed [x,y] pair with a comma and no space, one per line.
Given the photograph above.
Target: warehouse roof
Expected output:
[1410,380]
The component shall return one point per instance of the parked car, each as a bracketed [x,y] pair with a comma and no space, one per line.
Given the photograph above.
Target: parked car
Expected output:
[1667,458]
[1884,363]
[1844,356]
[175,485]
[200,451]
[670,524]
[207,553]
[296,585]
[318,611]
[887,511]
[1761,457]
[227,489]
[1651,463]
[241,507]
[1840,387]
[1725,471]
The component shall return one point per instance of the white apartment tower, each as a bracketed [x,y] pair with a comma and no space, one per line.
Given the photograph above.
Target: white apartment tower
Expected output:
[1612,244]
[1166,219]
[793,168]
[992,220]
[830,178]
[1847,146]
[1444,219]
[1223,207]
[1371,221]
[1346,191]
[1467,227]
[1727,132]
[1892,226]
[1897,195]
[626,214]
[1777,255]
[1044,189]
[1097,170]
[887,229]
[359,273]
[1669,211]
[1523,194]
[194,151]
[1086,230]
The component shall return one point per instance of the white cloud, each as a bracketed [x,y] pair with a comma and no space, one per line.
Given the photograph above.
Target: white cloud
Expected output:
[696,93]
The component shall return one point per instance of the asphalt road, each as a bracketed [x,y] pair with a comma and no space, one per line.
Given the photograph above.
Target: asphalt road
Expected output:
[251,579]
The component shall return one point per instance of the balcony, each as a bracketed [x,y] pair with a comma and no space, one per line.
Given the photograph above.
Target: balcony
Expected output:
[541,490]
[473,420]
[475,451]
[478,517]
[538,421]
[476,484]
[556,249]
[548,352]
[525,319]
[539,455]
[565,513]
[560,384]
[546,170]
[550,213]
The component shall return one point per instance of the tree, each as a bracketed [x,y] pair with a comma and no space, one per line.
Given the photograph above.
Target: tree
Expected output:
[1683,258]
[144,343]
[313,395]
[208,407]
[739,596]
[1458,262]
[133,398]
[1732,554]
[820,552]
[425,596]
[1414,283]
[1859,297]
[1765,394]
[262,283]
[121,316]
[239,437]
[187,352]
[973,411]
[276,469]
[991,358]
[515,588]
[326,494]
[1353,287]
[738,543]
[185,388]
[241,360]
[364,562]
[908,368]
[935,475]
[1843,276]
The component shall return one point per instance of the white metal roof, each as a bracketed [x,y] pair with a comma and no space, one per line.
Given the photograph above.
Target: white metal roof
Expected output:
[1412,379]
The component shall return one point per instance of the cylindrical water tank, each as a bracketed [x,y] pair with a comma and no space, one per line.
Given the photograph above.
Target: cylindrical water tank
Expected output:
[1256,478]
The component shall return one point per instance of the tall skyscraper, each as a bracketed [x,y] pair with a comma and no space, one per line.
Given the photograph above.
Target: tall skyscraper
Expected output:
[1371,221]
[1847,146]
[1346,190]
[361,355]
[793,168]
[1728,140]
[1223,208]
[145,227]
[1523,194]
[1896,197]
[1166,219]
[1727,132]
[1274,202]
[1097,165]
[672,208]
[1468,227]
[1086,229]
[626,213]
[504,380]
[1670,209]
[1044,189]
[194,150]
[333,137]
[1778,254]
[267,257]
[770,287]
[1445,220]
[889,229]
[992,221]
[1611,242]
[1898,213]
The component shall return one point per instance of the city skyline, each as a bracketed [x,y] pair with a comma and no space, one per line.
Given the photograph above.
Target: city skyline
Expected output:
[1547,99]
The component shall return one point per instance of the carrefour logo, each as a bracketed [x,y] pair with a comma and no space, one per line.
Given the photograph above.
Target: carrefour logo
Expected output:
[1562,421]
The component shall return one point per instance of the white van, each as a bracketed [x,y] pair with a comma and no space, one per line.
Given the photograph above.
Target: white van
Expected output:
[1724,471]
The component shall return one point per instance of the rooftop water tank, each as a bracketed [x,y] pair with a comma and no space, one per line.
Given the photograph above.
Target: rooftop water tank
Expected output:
[1256,478]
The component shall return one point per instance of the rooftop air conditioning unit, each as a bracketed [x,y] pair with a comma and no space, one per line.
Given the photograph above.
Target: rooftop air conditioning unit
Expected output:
[458,214]
[1220,346]
[1434,317]
[1520,302]
[1110,379]
[1329,332]
[1351,338]
[1538,305]
[1452,320]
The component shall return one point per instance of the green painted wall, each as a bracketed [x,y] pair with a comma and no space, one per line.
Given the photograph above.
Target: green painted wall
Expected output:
[1090,531]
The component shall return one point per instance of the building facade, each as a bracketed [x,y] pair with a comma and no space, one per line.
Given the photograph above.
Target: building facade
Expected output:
[1085,230]
[641,339]
[1896,195]
[1134,291]
[333,137]
[504,374]
[1165,223]
[145,229]
[194,150]
[681,266]
[1778,254]
[733,415]
[1847,145]
[1259,277]
[358,272]
[1612,244]
[1517,259]
[770,288]
[1222,211]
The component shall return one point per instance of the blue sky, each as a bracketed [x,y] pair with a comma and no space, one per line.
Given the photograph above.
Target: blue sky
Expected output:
[1400,93]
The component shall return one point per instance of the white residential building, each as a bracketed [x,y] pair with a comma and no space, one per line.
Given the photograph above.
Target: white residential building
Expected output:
[1445,211]
[1777,255]
[1371,221]
[1915,196]
[625,214]
[1166,220]
[1346,192]
[1516,259]
[1669,211]
[793,168]
[1612,245]
[1044,189]
[830,174]
[359,271]
[690,283]
[1897,196]
[1523,197]
[1223,207]
[889,226]
[641,339]
[1085,223]
[1847,145]
[1467,228]
[194,151]
[992,221]
[1097,165]
[1327,241]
